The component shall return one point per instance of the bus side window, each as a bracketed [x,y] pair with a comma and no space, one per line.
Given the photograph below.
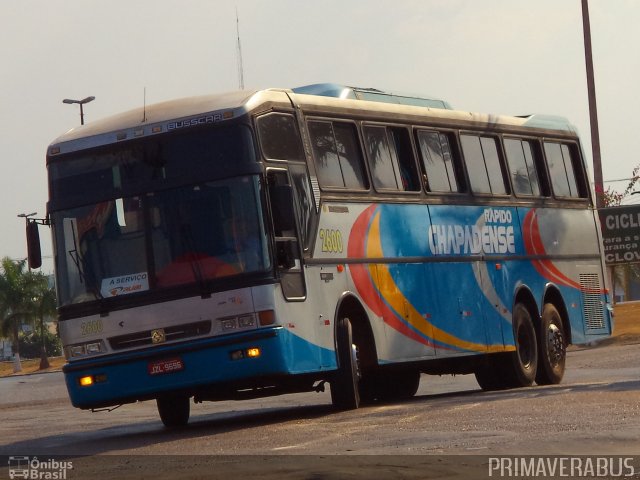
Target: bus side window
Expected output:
[279,137]
[438,161]
[401,139]
[567,177]
[483,164]
[390,158]
[337,155]
[380,162]
[303,201]
[522,166]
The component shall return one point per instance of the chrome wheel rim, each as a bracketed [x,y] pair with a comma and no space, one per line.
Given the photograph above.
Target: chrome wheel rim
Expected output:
[555,345]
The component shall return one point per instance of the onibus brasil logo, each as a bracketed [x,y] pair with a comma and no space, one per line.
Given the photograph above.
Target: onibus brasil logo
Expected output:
[32,468]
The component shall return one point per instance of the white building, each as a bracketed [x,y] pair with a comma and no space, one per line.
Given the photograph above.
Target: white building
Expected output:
[5,349]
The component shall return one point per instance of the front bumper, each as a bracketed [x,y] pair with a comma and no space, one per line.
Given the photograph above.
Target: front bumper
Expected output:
[127,377]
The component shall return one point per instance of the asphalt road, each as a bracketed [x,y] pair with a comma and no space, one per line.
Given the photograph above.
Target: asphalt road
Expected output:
[595,411]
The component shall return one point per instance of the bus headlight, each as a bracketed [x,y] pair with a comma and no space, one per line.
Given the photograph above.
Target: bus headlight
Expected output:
[229,324]
[246,321]
[242,322]
[94,348]
[85,349]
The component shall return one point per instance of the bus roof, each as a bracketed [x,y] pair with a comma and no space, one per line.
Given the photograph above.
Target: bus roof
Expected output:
[370,94]
[193,111]
[159,113]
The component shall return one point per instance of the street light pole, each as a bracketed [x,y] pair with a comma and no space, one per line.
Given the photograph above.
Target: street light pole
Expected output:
[81,103]
[593,110]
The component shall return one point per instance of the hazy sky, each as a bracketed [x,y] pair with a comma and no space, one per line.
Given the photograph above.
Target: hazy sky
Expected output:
[491,56]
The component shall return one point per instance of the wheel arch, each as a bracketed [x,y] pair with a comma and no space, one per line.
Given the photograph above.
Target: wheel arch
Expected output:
[552,295]
[525,296]
[349,306]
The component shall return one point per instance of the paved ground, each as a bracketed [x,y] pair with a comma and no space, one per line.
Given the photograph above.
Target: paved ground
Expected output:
[595,411]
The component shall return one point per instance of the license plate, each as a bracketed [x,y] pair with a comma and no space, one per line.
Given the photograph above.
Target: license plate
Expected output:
[168,365]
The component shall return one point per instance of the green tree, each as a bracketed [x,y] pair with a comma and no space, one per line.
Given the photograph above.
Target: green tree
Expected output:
[23,296]
[613,198]
[45,306]
[31,344]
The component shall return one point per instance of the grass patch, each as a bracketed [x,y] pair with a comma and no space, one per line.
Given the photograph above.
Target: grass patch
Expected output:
[32,365]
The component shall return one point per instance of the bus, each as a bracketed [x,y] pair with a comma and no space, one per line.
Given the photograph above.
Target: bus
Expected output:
[258,243]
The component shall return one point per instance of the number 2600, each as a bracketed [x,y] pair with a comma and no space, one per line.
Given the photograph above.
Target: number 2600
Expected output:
[91,327]
[331,240]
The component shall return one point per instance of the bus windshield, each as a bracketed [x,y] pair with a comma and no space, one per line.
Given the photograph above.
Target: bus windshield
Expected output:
[168,238]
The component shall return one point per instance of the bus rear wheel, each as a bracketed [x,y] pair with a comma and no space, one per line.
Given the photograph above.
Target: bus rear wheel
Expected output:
[345,394]
[552,347]
[521,366]
[174,410]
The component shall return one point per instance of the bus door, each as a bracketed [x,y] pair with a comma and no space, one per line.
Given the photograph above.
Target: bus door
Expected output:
[288,249]
[289,197]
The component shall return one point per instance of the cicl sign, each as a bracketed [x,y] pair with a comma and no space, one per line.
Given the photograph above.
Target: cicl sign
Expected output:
[621,234]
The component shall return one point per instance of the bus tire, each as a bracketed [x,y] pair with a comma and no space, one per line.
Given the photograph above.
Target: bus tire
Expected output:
[345,394]
[552,347]
[174,410]
[397,385]
[367,387]
[411,385]
[489,374]
[521,366]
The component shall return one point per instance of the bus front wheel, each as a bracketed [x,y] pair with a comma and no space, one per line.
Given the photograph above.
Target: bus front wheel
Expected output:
[174,410]
[552,347]
[345,394]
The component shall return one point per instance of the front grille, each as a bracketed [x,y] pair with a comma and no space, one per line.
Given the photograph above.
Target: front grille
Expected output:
[592,307]
[171,334]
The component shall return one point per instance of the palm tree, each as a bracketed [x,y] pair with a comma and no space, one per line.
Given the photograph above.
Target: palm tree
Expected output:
[19,293]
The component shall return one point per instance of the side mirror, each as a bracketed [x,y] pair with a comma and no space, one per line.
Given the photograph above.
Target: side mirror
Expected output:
[34,252]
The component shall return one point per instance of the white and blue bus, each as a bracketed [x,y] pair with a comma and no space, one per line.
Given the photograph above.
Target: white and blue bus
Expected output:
[257,243]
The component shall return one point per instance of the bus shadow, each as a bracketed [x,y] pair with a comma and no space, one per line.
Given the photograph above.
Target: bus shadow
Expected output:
[139,435]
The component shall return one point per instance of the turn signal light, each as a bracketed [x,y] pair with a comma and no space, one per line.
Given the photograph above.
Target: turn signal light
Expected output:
[89,380]
[253,352]
[267,317]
